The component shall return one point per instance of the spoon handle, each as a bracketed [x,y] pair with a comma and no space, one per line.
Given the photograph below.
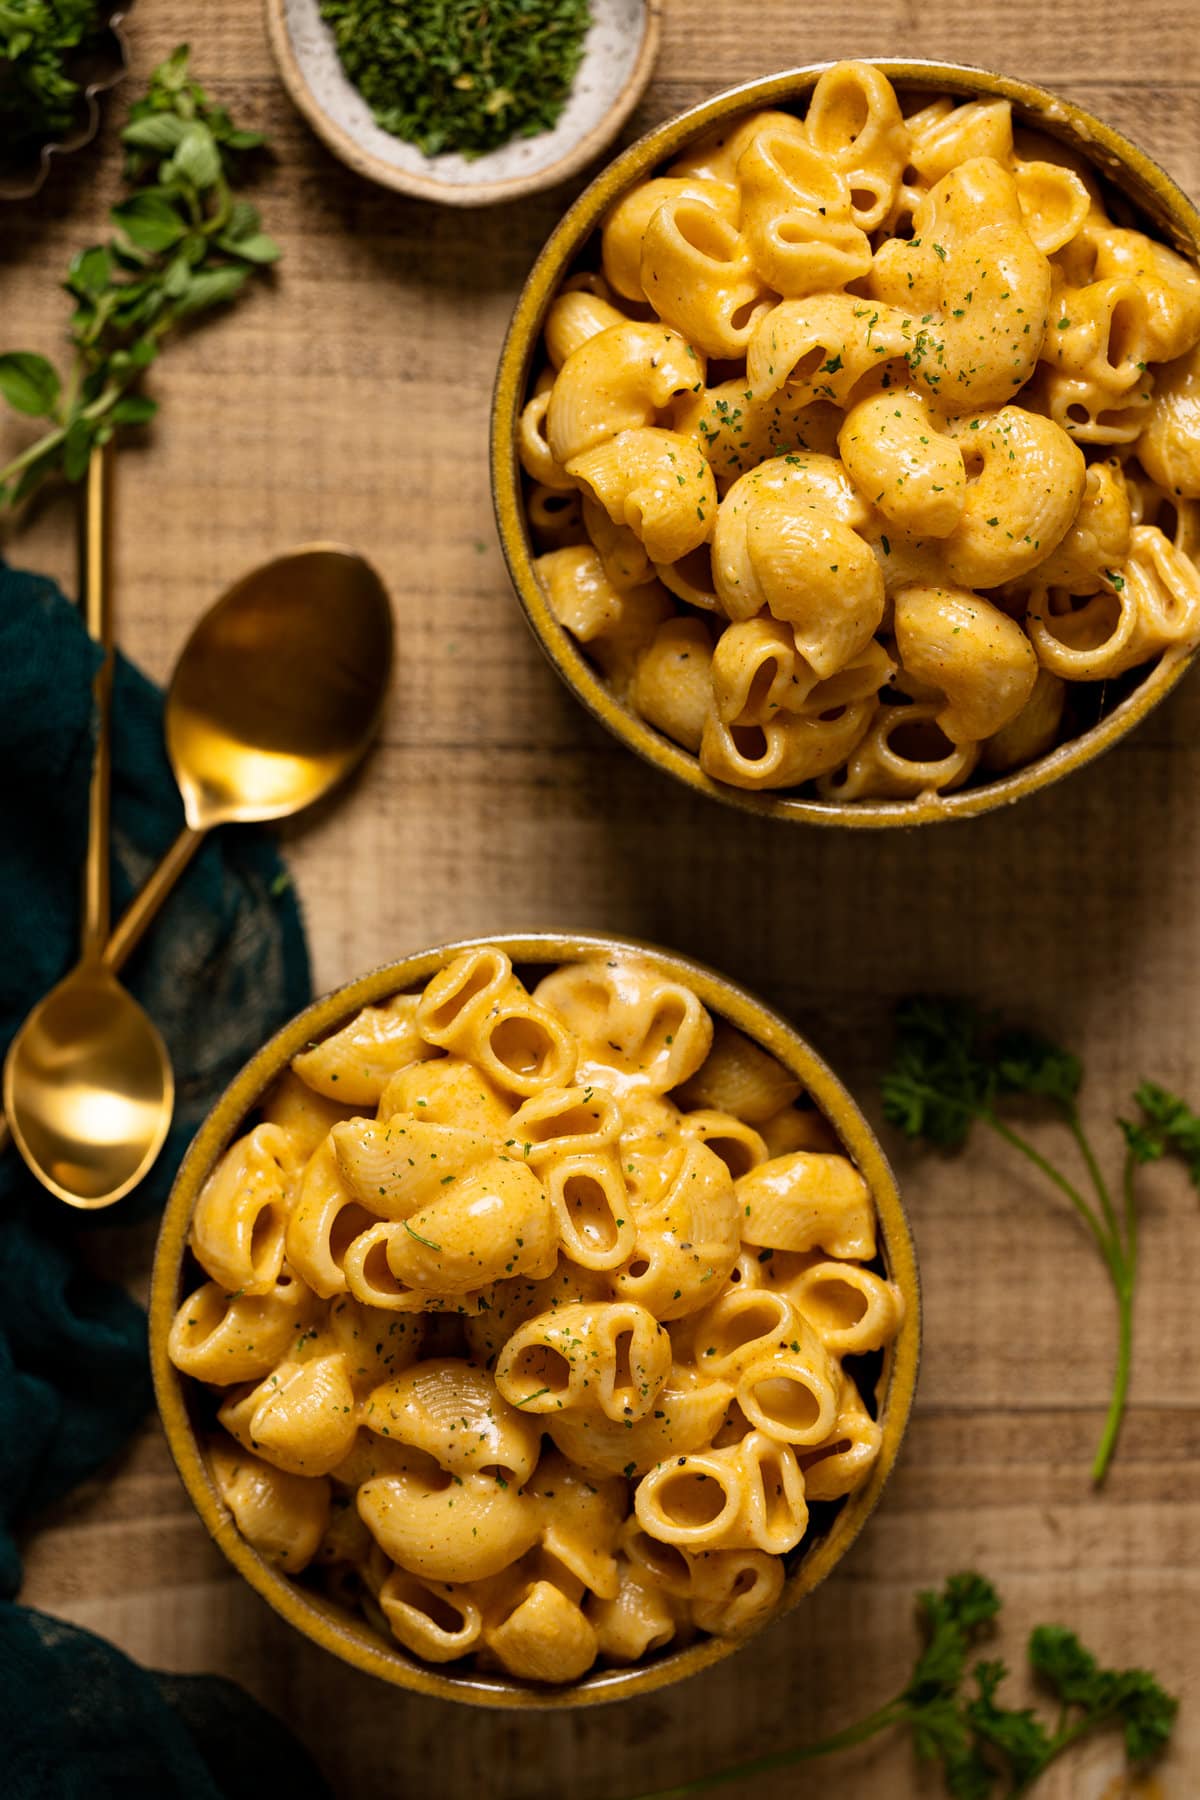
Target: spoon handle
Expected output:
[144,906]
[96,580]
[97,608]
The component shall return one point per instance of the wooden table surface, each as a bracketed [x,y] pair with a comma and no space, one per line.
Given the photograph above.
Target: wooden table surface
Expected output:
[352,401]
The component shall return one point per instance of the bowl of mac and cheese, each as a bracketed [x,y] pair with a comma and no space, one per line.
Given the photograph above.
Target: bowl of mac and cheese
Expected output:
[535,1319]
[846,443]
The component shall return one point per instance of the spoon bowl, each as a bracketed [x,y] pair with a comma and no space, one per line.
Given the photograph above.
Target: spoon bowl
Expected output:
[89,1090]
[280,687]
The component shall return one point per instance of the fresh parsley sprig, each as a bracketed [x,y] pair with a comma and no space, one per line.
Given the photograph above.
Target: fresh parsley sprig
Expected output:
[184,244]
[988,1751]
[954,1067]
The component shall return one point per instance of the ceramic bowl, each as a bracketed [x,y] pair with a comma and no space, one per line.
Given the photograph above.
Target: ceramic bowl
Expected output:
[1165,209]
[350,1636]
[618,56]
[97,73]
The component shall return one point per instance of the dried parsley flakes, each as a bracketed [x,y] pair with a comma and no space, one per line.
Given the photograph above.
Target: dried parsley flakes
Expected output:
[463,75]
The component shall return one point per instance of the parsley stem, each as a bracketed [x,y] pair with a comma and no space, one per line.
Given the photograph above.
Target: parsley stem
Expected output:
[1060,1181]
[1131,1221]
[1098,1181]
[1116,1405]
[1062,1740]
[1117,1261]
[1124,1285]
[894,1713]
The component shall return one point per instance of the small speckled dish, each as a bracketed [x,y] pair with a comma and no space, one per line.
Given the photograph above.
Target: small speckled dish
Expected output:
[349,1635]
[97,73]
[1128,171]
[618,56]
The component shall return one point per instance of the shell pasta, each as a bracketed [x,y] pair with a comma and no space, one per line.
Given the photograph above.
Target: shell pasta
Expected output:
[873,443]
[535,1348]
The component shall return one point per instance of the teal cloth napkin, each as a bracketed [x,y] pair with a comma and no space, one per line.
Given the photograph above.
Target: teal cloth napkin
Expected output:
[223,968]
[79,1721]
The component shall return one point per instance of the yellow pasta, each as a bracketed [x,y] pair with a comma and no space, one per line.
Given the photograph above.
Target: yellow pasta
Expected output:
[545,1638]
[241,1216]
[809,1199]
[354,1065]
[302,1417]
[611,1355]
[437,1621]
[528,1350]
[636,1621]
[283,1516]
[936,365]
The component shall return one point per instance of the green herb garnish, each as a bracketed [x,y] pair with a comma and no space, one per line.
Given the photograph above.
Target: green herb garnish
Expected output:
[986,1749]
[41,42]
[953,1066]
[184,244]
[428,1242]
[463,75]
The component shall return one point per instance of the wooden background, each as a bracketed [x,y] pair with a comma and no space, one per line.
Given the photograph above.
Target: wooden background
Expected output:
[352,401]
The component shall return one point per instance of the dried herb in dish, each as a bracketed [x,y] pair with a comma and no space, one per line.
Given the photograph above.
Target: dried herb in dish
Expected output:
[987,1749]
[184,244]
[40,41]
[953,1067]
[463,75]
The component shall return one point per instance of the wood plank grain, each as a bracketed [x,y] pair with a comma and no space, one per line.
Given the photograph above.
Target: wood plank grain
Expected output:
[351,399]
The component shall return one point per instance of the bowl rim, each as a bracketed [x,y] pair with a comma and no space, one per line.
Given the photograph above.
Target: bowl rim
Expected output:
[1117,158]
[346,147]
[332,1628]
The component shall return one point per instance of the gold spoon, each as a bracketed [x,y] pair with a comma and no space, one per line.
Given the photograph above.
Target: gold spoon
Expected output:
[88,1086]
[276,696]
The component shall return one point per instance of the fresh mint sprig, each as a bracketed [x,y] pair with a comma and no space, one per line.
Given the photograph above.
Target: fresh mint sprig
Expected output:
[184,244]
[988,1751]
[954,1067]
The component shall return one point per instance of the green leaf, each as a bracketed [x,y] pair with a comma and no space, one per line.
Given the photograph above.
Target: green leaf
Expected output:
[172,75]
[176,276]
[1058,1657]
[210,287]
[133,409]
[243,222]
[29,383]
[149,220]
[1018,1735]
[1030,1064]
[197,159]
[159,132]
[256,249]
[90,273]
[1168,1127]
[1147,1714]
[77,449]
[952,1621]
[940,1079]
